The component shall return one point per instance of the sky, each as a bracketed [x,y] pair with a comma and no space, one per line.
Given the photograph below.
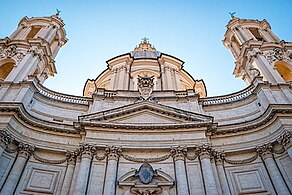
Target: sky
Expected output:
[190,30]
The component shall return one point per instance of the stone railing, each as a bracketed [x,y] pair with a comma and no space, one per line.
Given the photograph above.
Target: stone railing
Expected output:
[60,96]
[228,98]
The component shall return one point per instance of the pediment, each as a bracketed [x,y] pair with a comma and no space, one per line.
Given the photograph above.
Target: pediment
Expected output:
[146,117]
[145,113]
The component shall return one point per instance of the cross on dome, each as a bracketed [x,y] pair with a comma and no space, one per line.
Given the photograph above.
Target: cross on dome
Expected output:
[145,45]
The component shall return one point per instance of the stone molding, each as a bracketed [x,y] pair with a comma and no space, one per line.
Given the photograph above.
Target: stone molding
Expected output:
[24,116]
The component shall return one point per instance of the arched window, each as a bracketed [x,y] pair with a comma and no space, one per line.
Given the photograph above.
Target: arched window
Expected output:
[256,34]
[5,68]
[32,33]
[284,69]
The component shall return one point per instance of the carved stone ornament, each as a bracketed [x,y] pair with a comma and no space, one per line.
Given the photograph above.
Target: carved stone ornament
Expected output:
[145,85]
[178,153]
[113,152]
[277,54]
[146,173]
[7,52]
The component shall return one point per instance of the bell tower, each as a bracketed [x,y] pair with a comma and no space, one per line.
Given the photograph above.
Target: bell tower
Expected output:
[31,49]
[258,51]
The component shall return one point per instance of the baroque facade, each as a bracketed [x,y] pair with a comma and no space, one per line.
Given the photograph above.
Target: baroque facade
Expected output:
[144,125]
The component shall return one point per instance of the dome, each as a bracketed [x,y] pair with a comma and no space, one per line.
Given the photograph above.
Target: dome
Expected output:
[123,71]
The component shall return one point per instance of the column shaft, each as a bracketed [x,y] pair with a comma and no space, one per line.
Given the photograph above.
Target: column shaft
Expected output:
[275,175]
[110,180]
[68,179]
[181,177]
[214,169]
[83,173]
[209,179]
[14,175]
[75,175]
[223,179]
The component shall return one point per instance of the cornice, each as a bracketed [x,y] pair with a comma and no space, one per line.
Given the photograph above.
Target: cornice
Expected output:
[266,117]
[18,110]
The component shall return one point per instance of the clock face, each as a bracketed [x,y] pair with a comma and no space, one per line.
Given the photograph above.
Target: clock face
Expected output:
[146,173]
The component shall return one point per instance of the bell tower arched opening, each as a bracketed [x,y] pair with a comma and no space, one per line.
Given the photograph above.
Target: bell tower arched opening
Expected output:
[284,69]
[6,67]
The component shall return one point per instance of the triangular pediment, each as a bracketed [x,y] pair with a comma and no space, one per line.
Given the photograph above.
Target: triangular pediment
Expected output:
[146,117]
[145,114]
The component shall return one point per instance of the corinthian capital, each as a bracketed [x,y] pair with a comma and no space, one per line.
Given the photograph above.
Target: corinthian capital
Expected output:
[265,150]
[86,150]
[5,137]
[113,152]
[285,139]
[178,153]
[204,151]
[71,157]
[25,150]
[219,156]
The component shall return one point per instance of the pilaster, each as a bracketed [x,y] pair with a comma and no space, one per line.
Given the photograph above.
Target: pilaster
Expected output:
[178,154]
[24,152]
[265,151]
[113,153]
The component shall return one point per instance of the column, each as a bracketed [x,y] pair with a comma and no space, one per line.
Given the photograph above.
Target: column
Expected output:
[113,153]
[71,161]
[178,154]
[52,34]
[238,37]
[245,37]
[265,152]
[11,182]
[209,179]
[221,174]
[87,152]
[214,169]
[75,175]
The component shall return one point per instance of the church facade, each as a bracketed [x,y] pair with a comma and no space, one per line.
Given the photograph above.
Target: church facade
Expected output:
[145,125]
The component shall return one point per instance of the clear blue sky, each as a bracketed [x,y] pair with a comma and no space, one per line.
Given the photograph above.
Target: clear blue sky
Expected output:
[190,30]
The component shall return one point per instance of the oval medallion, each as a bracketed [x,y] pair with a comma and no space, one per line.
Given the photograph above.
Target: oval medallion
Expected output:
[146,173]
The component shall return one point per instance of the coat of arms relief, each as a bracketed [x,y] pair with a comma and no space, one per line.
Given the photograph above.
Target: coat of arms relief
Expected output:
[145,86]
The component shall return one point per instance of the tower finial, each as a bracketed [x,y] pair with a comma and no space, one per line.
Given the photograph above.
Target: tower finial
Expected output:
[232,14]
[58,12]
[145,39]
